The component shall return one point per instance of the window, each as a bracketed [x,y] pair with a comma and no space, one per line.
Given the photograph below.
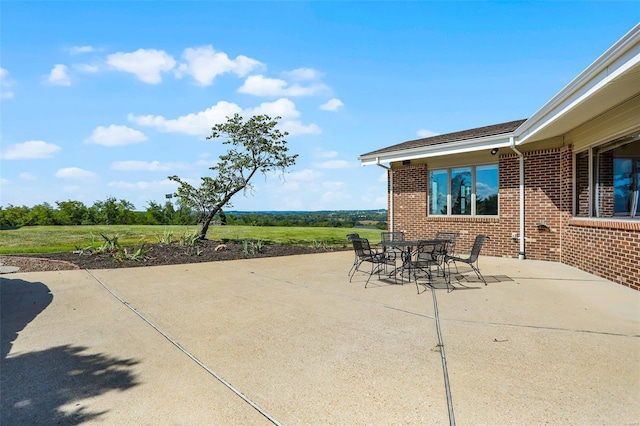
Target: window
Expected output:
[607,180]
[464,191]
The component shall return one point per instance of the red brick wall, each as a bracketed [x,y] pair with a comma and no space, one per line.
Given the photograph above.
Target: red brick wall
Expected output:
[542,197]
[542,204]
[410,200]
[608,249]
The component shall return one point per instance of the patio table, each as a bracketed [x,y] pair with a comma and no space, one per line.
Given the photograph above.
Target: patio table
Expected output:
[408,250]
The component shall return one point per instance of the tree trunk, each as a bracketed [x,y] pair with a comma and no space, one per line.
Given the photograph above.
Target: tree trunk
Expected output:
[205,224]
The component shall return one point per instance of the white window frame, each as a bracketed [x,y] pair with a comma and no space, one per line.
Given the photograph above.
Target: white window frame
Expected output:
[473,197]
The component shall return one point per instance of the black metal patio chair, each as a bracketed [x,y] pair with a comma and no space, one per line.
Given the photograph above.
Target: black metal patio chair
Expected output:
[428,253]
[350,237]
[379,261]
[472,260]
[451,247]
[392,252]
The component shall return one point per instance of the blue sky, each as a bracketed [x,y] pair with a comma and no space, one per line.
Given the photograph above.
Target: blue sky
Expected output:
[107,99]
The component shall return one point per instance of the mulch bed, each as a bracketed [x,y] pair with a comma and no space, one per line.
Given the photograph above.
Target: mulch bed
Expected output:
[157,254]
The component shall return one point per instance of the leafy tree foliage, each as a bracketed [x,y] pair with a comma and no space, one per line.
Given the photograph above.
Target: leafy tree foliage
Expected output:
[76,213]
[41,214]
[256,146]
[71,213]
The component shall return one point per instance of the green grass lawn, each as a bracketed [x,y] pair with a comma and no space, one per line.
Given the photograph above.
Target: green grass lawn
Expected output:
[44,239]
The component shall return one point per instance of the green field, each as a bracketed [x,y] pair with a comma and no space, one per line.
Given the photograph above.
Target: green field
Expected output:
[45,239]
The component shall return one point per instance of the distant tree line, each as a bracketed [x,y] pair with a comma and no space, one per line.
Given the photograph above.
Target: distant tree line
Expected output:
[108,212]
[331,219]
[121,212]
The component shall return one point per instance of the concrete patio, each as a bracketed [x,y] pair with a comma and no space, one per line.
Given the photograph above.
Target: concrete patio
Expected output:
[290,341]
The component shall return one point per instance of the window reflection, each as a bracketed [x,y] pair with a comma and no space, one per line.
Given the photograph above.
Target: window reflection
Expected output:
[469,191]
[615,173]
[438,190]
[461,191]
[487,190]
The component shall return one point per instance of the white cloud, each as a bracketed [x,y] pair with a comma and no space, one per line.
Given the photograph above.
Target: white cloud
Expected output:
[146,166]
[115,135]
[305,178]
[5,85]
[204,64]
[77,50]
[304,74]
[27,176]
[206,160]
[320,153]
[74,173]
[335,164]
[333,191]
[59,76]
[297,128]
[260,85]
[200,123]
[423,133]
[384,177]
[30,150]
[483,190]
[332,105]
[146,64]
[279,108]
[4,181]
[305,175]
[72,189]
[143,185]
[88,68]
[196,124]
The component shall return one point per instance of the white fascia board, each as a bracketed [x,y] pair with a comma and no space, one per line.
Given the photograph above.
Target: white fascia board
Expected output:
[469,145]
[624,54]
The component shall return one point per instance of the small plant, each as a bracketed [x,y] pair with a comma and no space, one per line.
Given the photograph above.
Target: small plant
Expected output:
[89,250]
[189,238]
[258,246]
[320,245]
[252,247]
[166,237]
[140,253]
[123,254]
[110,245]
[194,249]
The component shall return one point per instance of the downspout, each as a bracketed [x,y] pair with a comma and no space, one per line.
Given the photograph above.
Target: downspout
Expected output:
[390,170]
[521,254]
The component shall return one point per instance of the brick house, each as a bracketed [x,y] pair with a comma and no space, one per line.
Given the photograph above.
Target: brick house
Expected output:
[561,186]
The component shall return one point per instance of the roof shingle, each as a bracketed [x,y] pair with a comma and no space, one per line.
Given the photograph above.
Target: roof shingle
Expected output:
[479,132]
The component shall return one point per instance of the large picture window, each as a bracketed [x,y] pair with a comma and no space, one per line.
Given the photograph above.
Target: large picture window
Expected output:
[607,180]
[464,191]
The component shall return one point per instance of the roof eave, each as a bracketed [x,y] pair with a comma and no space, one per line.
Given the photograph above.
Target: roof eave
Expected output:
[477,144]
[618,58]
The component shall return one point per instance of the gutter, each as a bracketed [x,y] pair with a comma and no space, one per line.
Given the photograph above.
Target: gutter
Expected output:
[459,147]
[521,254]
[624,54]
[390,170]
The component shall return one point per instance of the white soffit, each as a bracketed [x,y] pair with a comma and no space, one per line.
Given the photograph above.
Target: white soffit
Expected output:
[612,79]
[469,145]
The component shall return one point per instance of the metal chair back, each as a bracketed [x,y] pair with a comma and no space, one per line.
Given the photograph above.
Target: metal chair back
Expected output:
[452,237]
[392,236]
[477,246]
